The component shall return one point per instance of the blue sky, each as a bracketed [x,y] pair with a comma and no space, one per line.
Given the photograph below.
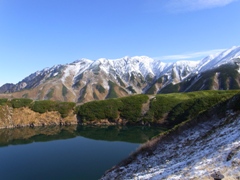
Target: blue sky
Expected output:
[35,34]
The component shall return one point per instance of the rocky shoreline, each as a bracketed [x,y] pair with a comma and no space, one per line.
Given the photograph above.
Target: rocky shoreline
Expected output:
[23,117]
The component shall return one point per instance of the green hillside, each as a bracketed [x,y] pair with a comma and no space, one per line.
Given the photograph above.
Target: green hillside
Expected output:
[167,109]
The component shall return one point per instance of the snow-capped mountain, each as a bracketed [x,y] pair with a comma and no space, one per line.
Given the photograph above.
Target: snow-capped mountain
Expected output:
[86,80]
[214,61]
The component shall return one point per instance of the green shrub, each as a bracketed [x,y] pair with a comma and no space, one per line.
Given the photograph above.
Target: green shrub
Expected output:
[111,93]
[64,108]
[50,94]
[170,88]
[177,103]
[120,81]
[151,90]
[18,103]
[123,90]
[128,108]
[174,107]
[163,104]
[64,91]
[132,106]
[83,93]
[105,109]
[192,107]
[95,96]
[3,101]
[46,105]
[100,88]
[160,80]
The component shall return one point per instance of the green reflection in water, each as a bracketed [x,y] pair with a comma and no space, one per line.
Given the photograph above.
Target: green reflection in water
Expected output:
[72,152]
[28,135]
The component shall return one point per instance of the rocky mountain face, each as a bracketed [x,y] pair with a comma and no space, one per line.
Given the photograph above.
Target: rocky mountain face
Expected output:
[86,80]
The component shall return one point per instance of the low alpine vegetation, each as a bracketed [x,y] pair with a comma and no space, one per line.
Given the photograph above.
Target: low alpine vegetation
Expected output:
[165,109]
[43,106]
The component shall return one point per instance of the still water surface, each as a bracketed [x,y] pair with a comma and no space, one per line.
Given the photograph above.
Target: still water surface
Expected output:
[66,152]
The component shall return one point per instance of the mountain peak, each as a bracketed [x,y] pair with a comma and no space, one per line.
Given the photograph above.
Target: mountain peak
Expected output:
[85,80]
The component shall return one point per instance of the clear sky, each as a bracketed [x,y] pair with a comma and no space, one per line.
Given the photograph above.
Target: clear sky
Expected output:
[35,34]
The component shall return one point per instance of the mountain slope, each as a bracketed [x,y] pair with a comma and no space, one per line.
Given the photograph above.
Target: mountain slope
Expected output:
[194,150]
[86,80]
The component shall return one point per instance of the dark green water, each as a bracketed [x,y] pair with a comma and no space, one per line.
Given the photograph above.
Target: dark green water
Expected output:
[67,152]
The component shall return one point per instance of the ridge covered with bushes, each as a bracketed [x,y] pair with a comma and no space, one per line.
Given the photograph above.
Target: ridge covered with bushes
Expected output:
[166,110]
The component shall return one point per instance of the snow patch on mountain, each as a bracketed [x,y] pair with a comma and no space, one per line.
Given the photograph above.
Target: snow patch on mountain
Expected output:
[146,69]
[71,69]
[214,61]
[82,65]
[137,64]
[142,65]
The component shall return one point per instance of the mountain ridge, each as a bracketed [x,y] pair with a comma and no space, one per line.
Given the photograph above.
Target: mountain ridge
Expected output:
[86,80]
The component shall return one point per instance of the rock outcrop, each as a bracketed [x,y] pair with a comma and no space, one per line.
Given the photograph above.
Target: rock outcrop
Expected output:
[21,117]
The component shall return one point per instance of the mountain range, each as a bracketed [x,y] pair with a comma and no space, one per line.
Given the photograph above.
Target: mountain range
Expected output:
[87,80]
